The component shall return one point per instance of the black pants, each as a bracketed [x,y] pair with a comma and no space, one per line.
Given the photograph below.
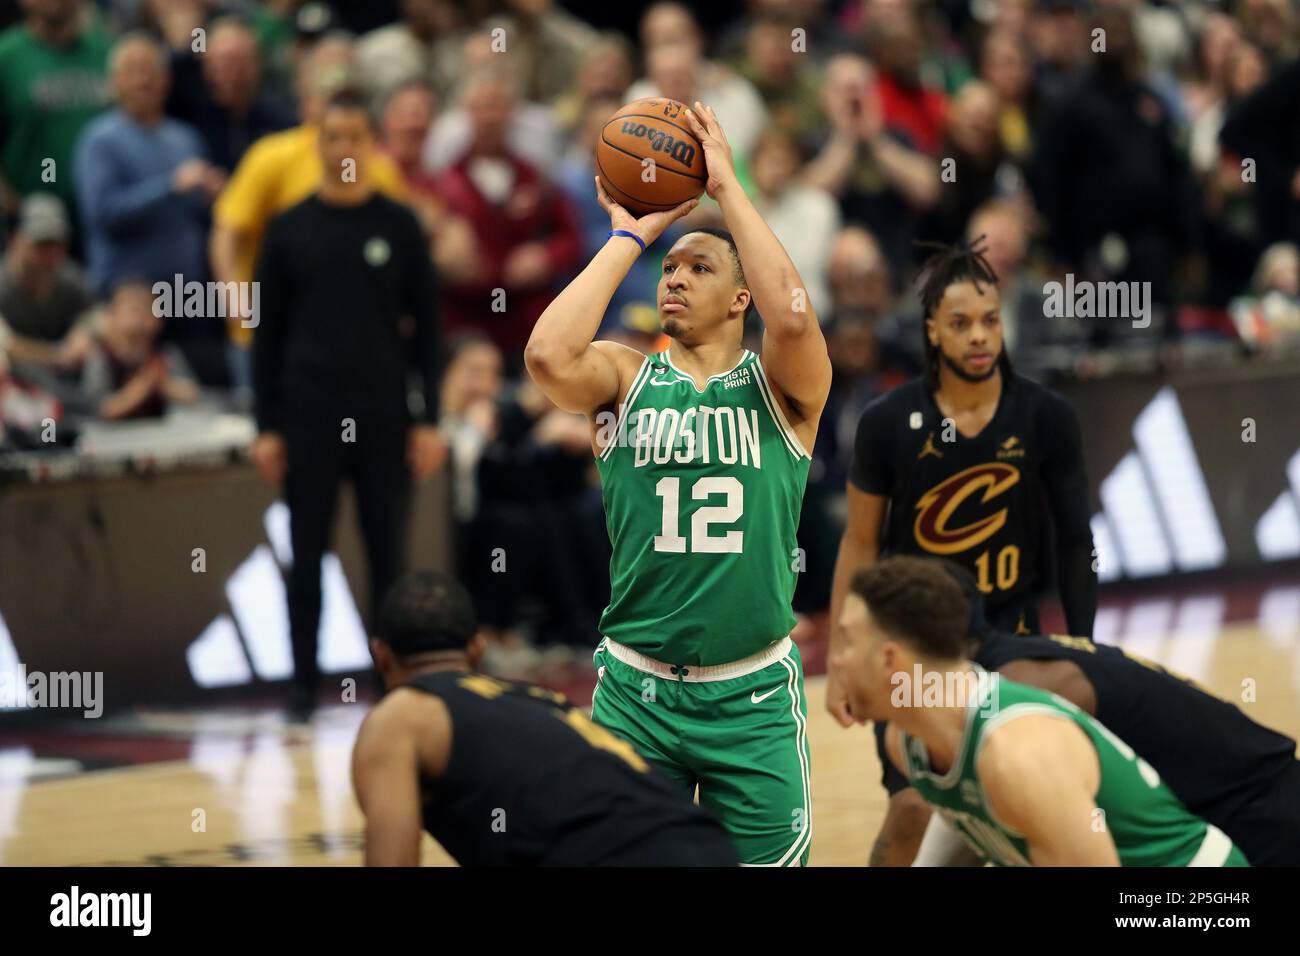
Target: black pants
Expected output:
[319,460]
[1267,829]
[546,548]
[1016,617]
[688,844]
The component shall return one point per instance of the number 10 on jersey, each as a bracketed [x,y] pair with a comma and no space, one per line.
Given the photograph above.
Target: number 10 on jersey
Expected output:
[730,542]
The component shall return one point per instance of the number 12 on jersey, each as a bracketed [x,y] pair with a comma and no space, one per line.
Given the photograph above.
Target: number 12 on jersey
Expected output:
[730,542]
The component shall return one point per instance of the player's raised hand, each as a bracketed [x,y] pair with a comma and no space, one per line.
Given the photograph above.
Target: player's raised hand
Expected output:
[650,226]
[717,151]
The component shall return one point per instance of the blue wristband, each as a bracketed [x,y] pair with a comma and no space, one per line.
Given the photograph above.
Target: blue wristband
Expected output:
[631,235]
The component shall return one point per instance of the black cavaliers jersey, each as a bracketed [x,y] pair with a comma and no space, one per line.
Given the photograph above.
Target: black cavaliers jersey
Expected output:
[981,501]
[532,781]
[1224,767]
[1211,754]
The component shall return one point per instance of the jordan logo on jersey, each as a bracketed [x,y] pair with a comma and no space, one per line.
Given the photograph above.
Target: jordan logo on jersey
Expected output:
[937,506]
[929,449]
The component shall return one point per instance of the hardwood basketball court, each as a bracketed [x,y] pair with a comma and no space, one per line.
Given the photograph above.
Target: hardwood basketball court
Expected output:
[253,790]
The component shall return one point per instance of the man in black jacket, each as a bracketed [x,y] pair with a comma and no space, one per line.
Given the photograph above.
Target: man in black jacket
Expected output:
[339,277]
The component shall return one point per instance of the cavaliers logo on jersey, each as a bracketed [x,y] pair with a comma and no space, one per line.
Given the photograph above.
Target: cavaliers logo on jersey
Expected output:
[936,507]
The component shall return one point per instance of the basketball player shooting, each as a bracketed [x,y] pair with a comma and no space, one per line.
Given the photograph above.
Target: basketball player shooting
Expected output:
[703,455]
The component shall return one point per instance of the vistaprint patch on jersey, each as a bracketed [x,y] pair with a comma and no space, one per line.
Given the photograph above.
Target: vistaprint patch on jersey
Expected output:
[737,378]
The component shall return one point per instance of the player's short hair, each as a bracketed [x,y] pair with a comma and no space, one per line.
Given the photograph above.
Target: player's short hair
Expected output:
[919,602]
[949,265]
[350,98]
[427,611]
[737,269]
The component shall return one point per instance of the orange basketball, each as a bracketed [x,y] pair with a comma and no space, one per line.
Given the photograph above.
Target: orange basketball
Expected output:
[648,159]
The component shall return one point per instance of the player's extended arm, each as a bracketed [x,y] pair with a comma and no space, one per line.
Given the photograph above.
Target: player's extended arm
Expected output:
[385,776]
[1063,678]
[560,354]
[794,350]
[1041,775]
[901,832]
[859,548]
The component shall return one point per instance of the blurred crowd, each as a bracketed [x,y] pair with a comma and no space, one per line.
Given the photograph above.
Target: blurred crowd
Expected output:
[151,141]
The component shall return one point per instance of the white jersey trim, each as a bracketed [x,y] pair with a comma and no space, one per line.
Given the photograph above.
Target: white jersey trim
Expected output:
[638,383]
[700,391]
[778,416]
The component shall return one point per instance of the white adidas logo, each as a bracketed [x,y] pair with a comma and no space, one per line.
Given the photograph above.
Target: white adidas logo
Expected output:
[1157,515]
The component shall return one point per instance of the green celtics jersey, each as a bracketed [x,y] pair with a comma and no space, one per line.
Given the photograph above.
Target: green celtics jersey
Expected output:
[1149,825]
[702,497]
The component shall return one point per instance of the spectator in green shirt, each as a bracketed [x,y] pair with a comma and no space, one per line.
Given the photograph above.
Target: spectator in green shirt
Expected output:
[53,81]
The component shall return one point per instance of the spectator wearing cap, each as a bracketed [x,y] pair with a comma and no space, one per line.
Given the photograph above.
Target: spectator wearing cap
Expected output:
[53,82]
[142,178]
[219,93]
[280,171]
[45,300]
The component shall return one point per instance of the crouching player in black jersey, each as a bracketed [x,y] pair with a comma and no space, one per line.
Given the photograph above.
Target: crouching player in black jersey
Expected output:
[1225,768]
[530,779]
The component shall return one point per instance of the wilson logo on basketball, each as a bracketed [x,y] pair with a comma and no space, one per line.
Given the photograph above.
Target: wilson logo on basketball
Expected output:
[936,508]
[683,151]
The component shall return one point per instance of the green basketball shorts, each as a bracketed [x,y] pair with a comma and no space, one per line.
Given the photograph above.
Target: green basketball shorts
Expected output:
[738,732]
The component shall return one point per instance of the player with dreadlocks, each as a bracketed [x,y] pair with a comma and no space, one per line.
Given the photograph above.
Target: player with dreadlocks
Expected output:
[966,462]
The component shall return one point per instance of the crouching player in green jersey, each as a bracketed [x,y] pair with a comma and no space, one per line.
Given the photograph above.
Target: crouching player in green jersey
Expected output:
[1018,775]
[703,453]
